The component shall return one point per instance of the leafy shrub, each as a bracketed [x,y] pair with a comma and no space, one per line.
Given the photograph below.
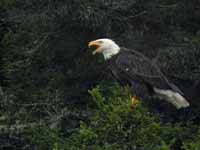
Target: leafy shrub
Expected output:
[193,143]
[117,124]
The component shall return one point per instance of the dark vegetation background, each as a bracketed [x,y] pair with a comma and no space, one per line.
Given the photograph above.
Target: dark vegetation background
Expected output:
[46,71]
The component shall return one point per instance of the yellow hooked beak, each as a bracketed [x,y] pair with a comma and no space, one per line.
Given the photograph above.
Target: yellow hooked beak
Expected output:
[96,45]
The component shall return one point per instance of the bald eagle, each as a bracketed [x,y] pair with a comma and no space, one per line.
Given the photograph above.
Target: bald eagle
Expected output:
[143,75]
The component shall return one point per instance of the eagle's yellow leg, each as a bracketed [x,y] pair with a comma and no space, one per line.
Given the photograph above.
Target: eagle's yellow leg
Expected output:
[134,101]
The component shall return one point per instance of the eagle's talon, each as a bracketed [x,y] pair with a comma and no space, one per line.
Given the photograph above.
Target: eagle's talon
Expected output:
[134,101]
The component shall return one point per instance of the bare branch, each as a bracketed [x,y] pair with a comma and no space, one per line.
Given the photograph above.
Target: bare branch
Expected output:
[137,15]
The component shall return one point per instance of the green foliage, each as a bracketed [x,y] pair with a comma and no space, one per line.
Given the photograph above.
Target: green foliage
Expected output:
[45,138]
[115,124]
[7,3]
[193,143]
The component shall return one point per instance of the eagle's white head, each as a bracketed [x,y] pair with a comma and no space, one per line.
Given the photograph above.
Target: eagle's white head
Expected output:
[105,46]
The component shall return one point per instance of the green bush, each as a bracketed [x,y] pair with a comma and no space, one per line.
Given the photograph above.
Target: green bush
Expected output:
[117,125]
[193,143]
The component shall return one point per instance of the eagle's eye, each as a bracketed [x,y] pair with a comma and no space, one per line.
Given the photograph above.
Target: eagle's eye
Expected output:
[100,42]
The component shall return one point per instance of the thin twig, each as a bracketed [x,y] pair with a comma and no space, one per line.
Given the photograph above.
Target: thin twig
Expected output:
[17,127]
[168,6]
[137,15]
[34,104]
[39,45]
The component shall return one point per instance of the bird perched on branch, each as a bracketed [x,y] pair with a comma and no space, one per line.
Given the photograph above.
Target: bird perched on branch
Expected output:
[139,72]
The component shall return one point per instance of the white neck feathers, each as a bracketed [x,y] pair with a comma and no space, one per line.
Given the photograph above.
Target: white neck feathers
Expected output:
[110,51]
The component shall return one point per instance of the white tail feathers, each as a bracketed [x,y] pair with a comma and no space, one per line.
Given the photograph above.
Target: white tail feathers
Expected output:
[172,97]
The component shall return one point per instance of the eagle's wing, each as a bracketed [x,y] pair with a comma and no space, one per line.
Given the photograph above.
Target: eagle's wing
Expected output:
[138,67]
